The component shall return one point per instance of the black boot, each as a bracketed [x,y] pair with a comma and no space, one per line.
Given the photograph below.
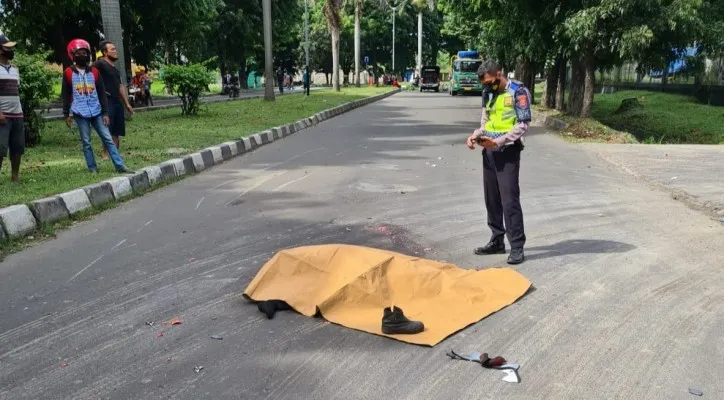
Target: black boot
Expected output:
[270,307]
[395,323]
[493,247]
[516,256]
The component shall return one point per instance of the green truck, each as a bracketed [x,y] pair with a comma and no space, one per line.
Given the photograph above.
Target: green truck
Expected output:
[464,73]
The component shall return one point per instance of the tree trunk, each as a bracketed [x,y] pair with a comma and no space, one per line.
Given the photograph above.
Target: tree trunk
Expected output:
[525,74]
[665,77]
[357,55]
[590,81]
[617,77]
[111,15]
[552,83]
[561,85]
[578,85]
[243,80]
[335,58]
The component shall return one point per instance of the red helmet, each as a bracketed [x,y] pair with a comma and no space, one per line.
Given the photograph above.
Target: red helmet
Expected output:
[75,45]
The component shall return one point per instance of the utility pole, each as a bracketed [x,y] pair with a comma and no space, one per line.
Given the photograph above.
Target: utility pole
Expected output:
[268,59]
[306,32]
[419,43]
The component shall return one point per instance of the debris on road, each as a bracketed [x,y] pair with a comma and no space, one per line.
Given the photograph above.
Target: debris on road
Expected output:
[499,363]
[696,392]
[63,364]
[198,368]
[149,323]
[160,334]
[217,337]
[175,321]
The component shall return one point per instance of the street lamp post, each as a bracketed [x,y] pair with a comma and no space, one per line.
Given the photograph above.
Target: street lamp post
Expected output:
[394,11]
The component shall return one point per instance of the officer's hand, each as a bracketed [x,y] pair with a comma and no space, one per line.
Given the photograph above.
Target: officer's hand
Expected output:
[106,121]
[488,143]
[471,142]
[69,121]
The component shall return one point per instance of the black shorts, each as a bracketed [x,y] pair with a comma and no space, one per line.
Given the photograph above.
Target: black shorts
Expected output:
[12,137]
[117,115]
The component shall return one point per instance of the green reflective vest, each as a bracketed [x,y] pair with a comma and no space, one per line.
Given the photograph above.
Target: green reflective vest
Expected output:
[501,112]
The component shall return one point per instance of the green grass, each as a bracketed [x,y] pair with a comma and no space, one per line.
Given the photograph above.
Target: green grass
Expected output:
[57,164]
[665,118]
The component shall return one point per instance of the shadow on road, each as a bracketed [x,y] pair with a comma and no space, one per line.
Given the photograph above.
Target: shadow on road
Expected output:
[568,247]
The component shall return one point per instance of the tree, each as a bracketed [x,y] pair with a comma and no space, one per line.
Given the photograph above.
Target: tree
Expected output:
[188,82]
[334,22]
[36,89]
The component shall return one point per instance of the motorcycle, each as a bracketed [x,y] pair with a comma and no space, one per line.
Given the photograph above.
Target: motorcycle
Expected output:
[134,96]
[233,90]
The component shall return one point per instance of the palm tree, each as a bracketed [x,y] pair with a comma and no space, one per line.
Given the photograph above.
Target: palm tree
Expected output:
[421,5]
[112,30]
[334,22]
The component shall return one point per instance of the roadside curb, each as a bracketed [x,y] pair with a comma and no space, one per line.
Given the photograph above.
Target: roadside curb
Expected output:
[20,220]
[551,122]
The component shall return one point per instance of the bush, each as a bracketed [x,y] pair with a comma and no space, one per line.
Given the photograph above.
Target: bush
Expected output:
[36,90]
[188,82]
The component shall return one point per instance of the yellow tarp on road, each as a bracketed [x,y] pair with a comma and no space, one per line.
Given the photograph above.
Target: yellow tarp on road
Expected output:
[351,286]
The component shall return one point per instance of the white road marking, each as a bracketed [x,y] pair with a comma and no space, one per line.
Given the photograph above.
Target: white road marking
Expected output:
[268,167]
[282,186]
[199,203]
[256,185]
[147,224]
[119,243]
[83,270]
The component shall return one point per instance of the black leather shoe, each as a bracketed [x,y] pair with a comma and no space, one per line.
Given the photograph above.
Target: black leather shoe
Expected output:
[491,248]
[516,256]
[395,323]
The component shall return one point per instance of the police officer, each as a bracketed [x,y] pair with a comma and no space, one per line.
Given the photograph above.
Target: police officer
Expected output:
[505,118]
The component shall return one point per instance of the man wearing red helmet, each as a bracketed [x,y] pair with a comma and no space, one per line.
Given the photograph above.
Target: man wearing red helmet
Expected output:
[84,95]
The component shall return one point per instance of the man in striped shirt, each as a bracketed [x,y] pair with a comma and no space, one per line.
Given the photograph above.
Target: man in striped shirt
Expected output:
[12,130]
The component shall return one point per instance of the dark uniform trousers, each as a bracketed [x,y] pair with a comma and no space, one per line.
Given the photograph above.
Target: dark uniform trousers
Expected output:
[501,171]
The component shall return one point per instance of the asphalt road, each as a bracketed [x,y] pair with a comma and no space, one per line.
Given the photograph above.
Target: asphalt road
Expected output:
[627,300]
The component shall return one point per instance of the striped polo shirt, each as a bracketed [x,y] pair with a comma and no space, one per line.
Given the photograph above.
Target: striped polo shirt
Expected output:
[10,92]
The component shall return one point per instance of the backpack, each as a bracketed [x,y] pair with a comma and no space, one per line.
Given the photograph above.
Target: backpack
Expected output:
[69,74]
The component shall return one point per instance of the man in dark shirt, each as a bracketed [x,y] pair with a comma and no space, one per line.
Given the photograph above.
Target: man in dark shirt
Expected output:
[115,92]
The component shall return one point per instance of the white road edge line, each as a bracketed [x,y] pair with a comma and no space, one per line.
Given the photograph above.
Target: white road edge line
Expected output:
[268,167]
[282,186]
[147,224]
[199,203]
[256,185]
[119,243]
[83,270]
